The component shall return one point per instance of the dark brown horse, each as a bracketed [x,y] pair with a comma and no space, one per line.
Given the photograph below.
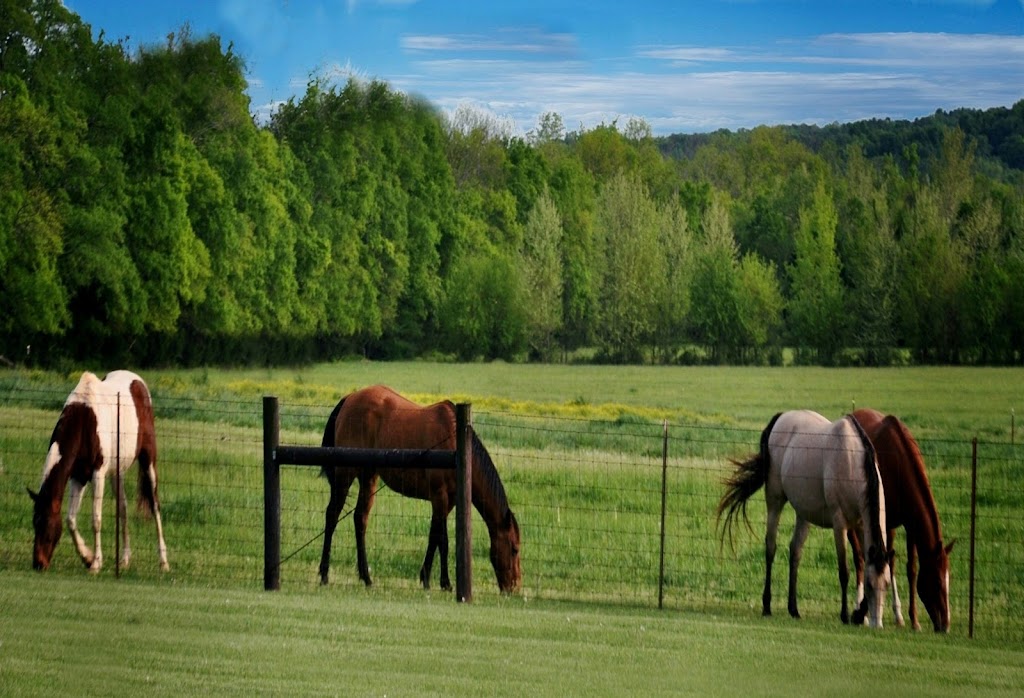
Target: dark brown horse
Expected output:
[378,417]
[909,503]
[85,443]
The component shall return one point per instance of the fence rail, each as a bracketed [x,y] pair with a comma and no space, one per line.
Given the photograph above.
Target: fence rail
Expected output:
[587,494]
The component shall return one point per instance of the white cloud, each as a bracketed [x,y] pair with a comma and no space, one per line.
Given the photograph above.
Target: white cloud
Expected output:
[529,40]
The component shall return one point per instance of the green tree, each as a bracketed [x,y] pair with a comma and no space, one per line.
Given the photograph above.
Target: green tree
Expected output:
[716,317]
[816,306]
[542,276]
[633,272]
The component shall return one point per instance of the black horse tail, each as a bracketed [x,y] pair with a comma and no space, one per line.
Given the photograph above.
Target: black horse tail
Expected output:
[750,476]
[329,432]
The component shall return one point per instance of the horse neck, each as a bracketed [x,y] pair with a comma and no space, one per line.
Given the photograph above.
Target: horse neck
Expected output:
[920,514]
[488,491]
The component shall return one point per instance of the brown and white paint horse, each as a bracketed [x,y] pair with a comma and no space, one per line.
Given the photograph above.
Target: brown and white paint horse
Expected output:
[83,446]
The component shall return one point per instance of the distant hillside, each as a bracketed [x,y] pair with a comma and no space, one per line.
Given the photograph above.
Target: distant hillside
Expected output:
[998,134]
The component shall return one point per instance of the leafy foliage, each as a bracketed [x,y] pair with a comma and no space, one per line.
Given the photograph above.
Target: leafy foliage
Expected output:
[146,217]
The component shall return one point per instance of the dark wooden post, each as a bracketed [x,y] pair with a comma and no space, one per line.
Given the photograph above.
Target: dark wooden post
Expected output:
[271,495]
[463,504]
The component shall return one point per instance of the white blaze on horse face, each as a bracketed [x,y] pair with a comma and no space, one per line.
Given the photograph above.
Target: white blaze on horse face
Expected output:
[878,585]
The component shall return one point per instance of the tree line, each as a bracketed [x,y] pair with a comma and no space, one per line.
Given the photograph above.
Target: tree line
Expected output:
[147,217]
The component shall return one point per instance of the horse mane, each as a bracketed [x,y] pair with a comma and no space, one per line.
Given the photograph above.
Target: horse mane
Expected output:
[917,468]
[871,478]
[329,433]
[484,466]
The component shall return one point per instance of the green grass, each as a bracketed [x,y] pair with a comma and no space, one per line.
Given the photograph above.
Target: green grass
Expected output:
[84,636]
[579,450]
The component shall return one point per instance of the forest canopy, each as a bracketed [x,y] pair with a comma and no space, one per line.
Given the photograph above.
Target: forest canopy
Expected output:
[147,217]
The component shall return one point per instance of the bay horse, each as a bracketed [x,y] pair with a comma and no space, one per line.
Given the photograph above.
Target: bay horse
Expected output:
[909,503]
[378,417]
[83,447]
[827,471]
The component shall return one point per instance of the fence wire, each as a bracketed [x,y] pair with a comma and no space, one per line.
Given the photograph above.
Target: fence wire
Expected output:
[587,494]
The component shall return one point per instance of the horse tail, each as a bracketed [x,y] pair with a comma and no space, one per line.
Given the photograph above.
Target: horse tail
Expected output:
[329,432]
[147,501]
[750,476]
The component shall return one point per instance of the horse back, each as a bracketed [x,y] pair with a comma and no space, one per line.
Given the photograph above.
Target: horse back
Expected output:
[378,417]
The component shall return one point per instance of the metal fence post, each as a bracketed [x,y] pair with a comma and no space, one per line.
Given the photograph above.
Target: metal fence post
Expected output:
[974,508]
[117,495]
[463,503]
[271,495]
[664,492]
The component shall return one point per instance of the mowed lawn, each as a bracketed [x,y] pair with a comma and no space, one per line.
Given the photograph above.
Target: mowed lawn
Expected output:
[67,632]
[83,636]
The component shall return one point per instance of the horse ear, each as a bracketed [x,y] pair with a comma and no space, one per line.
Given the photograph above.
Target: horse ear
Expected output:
[949,546]
[33,495]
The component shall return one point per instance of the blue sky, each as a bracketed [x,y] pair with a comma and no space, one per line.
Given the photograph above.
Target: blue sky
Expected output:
[682,66]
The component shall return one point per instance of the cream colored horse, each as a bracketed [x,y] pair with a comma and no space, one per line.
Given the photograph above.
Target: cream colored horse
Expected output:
[828,472]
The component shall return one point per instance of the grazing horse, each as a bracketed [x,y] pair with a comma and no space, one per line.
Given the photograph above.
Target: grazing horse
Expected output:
[909,503]
[83,447]
[378,417]
[827,471]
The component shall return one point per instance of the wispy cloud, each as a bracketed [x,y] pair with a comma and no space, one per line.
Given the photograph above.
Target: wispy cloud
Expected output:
[524,40]
[846,77]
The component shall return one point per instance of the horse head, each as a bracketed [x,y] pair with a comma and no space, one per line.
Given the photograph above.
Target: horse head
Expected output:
[933,584]
[877,577]
[48,528]
[505,543]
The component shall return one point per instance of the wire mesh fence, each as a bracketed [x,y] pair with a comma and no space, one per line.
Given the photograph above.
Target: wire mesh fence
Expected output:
[587,493]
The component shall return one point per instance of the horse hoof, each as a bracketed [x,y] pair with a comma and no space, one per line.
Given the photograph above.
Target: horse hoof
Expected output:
[845,617]
[164,567]
[766,612]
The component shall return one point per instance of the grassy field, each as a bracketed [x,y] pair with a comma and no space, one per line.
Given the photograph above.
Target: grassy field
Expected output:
[78,636]
[579,449]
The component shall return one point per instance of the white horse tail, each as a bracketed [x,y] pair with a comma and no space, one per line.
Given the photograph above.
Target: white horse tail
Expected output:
[749,477]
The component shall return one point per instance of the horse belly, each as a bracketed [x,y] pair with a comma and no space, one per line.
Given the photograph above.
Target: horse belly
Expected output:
[803,487]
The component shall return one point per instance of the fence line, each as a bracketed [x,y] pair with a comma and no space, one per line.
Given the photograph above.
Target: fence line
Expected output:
[587,493]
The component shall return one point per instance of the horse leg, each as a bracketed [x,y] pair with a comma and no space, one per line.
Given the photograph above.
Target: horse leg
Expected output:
[439,541]
[858,564]
[367,493]
[339,492]
[74,504]
[897,606]
[911,582]
[121,514]
[796,551]
[770,536]
[99,482]
[839,532]
[147,472]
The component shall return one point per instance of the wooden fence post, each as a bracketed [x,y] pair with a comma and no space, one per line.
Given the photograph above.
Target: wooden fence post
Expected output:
[463,503]
[271,495]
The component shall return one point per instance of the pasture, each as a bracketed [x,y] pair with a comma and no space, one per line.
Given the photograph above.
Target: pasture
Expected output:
[75,635]
[580,451]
